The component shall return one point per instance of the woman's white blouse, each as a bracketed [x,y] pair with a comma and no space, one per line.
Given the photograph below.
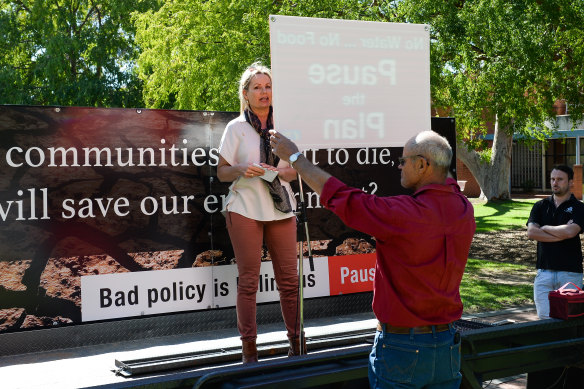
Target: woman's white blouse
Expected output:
[249,197]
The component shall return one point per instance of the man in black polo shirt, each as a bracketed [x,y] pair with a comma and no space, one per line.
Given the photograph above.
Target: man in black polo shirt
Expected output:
[556,223]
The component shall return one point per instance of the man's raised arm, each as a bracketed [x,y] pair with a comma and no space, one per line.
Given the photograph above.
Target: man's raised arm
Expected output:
[314,176]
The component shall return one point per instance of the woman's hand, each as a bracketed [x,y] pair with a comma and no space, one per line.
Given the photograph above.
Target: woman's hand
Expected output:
[285,173]
[251,170]
[228,173]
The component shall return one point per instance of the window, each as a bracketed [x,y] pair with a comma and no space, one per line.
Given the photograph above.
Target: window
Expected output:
[559,152]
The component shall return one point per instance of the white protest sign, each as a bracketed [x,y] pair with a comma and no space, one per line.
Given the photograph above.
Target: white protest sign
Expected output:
[346,83]
[110,296]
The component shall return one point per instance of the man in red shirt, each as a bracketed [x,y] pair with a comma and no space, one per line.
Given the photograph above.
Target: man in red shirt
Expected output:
[422,247]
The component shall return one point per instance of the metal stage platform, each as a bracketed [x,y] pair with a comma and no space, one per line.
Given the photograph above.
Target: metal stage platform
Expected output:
[338,349]
[94,366]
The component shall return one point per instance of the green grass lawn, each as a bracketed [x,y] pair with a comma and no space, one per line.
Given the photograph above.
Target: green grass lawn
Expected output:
[481,292]
[503,215]
[489,285]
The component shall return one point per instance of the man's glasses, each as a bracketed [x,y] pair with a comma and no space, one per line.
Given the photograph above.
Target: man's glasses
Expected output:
[402,160]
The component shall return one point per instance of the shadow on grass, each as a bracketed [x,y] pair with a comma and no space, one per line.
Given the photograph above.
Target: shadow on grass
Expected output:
[502,215]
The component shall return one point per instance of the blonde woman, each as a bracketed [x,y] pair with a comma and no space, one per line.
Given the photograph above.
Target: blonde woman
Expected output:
[258,210]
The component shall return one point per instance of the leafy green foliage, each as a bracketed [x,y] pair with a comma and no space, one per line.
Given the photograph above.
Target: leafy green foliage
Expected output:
[193,52]
[509,60]
[55,52]
[504,60]
[502,64]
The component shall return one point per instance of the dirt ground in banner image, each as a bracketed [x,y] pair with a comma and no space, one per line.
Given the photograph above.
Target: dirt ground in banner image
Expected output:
[61,278]
[57,300]
[59,293]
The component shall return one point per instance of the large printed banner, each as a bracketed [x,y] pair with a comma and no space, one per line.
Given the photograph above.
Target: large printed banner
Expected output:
[111,213]
[347,83]
[145,293]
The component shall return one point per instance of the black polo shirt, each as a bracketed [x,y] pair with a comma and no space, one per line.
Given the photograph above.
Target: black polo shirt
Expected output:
[565,255]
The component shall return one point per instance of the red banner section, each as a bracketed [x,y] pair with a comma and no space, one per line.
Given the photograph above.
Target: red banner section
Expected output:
[351,273]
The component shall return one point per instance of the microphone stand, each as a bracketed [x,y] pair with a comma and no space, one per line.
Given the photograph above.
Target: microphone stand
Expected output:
[302,219]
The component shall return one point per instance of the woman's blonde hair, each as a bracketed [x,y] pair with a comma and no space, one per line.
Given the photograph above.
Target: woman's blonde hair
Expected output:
[252,70]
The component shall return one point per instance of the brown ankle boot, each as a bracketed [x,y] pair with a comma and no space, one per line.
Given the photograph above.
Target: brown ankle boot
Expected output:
[249,351]
[295,346]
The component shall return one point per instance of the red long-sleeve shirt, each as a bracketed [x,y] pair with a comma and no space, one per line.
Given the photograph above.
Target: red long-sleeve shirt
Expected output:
[423,242]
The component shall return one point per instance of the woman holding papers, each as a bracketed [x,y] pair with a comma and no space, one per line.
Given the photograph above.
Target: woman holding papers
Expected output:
[259,208]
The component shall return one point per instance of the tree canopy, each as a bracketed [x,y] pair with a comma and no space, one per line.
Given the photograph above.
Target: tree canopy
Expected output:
[80,52]
[514,58]
[494,63]
[505,63]
[193,51]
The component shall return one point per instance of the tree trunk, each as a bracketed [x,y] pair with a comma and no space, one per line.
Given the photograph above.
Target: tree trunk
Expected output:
[493,175]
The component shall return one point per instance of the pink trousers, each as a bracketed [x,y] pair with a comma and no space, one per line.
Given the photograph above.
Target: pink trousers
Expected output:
[247,236]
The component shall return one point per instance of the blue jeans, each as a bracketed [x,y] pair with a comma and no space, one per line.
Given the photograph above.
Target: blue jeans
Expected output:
[430,361]
[545,282]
